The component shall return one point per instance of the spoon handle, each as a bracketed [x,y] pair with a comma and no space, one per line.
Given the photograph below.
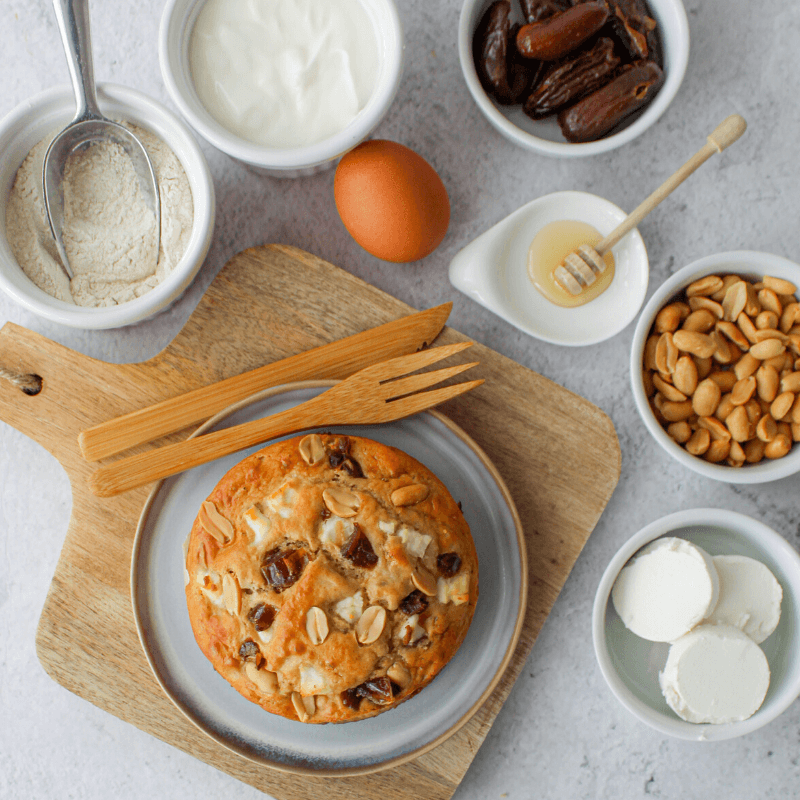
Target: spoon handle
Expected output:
[726,133]
[73,23]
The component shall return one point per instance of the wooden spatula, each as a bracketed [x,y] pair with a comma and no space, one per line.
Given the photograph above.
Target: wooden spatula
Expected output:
[581,269]
[376,394]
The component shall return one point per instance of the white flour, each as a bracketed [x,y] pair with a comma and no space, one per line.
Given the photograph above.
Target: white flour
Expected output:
[109,232]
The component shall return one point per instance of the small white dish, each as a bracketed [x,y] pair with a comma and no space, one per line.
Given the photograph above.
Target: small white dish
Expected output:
[493,271]
[403,733]
[177,23]
[47,113]
[630,665]
[544,136]
[748,263]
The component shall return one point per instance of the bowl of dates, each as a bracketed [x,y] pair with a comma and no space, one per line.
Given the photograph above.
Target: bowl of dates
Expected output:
[572,78]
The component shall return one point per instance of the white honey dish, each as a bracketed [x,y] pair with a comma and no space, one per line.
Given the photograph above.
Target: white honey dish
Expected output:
[749,264]
[177,23]
[544,136]
[630,665]
[48,112]
[493,270]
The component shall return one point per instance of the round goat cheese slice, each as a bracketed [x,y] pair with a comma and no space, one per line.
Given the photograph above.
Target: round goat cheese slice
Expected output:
[749,597]
[715,674]
[668,588]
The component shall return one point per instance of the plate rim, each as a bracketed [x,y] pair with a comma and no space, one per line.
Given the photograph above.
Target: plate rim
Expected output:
[395,761]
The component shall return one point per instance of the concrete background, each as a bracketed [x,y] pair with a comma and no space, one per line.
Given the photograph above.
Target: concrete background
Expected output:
[561,734]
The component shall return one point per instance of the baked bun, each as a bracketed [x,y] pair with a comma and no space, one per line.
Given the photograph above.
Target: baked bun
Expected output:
[330,577]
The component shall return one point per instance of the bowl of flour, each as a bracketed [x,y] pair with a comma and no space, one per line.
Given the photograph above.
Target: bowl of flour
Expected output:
[109,233]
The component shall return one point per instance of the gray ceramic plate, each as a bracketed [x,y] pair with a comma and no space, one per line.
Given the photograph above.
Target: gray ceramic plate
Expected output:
[159,605]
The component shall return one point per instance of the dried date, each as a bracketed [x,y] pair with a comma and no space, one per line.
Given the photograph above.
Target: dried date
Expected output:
[262,616]
[500,73]
[448,564]
[537,10]
[558,35]
[414,603]
[600,112]
[568,81]
[282,568]
[358,549]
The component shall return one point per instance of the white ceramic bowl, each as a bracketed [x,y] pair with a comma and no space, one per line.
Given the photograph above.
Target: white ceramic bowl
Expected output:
[544,136]
[46,113]
[177,23]
[631,665]
[492,270]
[750,264]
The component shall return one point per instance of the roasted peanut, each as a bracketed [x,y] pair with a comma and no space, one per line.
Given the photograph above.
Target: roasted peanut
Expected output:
[746,366]
[779,446]
[767,428]
[705,286]
[767,348]
[734,334]
[725,407]
[767,381]
[790,317]
[684,377]
[647,381]
[779,286]
[698,301]
[782,405]
[668,390]
[725,380]
[754,451]
[699,442]
[734,301]
[698,344]
[666,354]
[704,366]
[738,424]
[746,327]
[706,398]
[743,390]
[675,412]
[769,302]
[790,382]
[717,451]
[741,379]
[681,431]
[766,319]
[701,320]
[715,428]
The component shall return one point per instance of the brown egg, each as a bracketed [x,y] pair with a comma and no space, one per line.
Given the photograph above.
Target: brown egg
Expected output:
[391,201]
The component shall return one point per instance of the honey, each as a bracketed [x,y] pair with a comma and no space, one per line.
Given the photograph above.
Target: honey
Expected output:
[551,245]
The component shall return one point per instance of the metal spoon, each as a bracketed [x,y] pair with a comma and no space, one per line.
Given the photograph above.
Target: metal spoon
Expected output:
[88,126]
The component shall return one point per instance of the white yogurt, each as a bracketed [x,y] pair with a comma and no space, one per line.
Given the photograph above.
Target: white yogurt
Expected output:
[284,73]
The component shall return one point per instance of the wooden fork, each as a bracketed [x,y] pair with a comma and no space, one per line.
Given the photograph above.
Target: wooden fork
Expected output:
[372,395]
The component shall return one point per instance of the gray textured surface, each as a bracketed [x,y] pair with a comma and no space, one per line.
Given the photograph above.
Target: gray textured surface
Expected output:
[561,734]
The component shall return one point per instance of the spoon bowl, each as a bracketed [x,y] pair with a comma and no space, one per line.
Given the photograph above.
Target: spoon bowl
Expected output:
[88,127]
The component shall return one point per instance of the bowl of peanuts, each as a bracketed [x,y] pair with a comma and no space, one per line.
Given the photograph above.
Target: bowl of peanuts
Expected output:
[715,367]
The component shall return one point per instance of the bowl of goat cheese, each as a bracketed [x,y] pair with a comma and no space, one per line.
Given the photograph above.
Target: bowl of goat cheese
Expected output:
[696,624]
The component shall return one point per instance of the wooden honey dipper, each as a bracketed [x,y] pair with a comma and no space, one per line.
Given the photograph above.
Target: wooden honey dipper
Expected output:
[581,269]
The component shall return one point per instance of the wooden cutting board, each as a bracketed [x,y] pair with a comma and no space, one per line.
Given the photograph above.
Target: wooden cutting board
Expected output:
[558,454]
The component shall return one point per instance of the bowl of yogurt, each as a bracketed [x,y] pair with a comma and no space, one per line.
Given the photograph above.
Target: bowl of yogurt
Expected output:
[284,86]
[696,623]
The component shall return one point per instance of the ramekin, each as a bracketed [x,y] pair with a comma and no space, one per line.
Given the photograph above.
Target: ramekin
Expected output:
[544,136]
[747,263]
[630,665]
[51,110]
[177,23]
